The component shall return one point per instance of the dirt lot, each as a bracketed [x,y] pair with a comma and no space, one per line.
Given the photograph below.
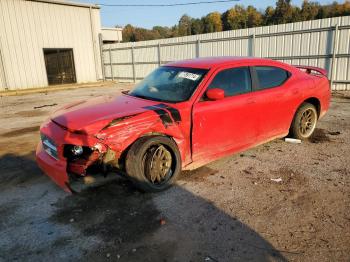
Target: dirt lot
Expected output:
[229,210]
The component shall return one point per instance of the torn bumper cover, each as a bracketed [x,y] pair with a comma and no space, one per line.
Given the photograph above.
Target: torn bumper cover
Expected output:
[54,168]
[67,172]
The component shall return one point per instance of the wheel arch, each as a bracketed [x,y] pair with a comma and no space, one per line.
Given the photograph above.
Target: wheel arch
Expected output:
[295,127]
[315,102]
[123,155]
[312,100]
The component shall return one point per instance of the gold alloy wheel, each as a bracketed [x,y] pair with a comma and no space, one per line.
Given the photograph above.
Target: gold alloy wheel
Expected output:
[158,164]
[307,122]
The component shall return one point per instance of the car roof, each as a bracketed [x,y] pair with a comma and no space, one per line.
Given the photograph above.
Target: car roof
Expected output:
[210,62]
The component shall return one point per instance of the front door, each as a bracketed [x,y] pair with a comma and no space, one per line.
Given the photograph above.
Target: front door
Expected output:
[225,125]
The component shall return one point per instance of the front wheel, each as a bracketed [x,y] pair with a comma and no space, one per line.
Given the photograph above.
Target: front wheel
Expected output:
[153,163]
[304,122]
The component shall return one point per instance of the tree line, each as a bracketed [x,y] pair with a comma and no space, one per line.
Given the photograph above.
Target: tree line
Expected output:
[239,17]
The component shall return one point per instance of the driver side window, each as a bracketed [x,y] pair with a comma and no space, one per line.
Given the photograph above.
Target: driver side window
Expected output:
[233,81]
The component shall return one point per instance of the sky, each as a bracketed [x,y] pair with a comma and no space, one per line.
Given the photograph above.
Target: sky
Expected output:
[147,17]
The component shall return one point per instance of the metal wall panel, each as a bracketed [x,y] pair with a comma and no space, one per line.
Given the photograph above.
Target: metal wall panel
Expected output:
[304,43]
[28,26]
[2,72]
[121,56]
[143,70]
[149,54]
[178,52]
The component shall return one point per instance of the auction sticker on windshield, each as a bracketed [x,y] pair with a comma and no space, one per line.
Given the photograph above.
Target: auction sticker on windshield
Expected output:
[188,75]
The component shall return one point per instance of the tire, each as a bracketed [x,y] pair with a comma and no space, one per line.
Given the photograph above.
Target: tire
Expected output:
[148,165]
[304,122]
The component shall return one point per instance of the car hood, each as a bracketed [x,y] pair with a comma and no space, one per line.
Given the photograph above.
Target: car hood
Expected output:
[90,116]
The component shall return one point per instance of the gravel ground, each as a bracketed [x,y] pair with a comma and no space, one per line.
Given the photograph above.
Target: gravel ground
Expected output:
[229,210]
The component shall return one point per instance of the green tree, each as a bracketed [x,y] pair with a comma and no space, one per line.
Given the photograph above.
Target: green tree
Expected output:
[212,23]
[269,16]
[142,34]
[134,34]
[239,17]
[163,31]
[337,9]
[184,25]
[235,18]
[283,12]
[196,26]
[128,33]
[309,10]
[346,8]
[254,18]
[333,10]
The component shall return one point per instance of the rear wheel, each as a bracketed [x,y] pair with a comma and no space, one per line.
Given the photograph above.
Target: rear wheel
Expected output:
[153,163]
[304,122]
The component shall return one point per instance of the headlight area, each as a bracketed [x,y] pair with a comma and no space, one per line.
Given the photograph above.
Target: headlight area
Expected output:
[90,166]
[81,158]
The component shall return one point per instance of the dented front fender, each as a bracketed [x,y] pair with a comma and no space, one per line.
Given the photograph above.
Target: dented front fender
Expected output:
[160,119]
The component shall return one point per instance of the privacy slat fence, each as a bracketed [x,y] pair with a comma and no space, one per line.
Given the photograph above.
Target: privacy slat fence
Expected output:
[323,43]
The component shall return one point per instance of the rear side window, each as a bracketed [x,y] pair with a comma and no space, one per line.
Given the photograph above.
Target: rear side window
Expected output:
[233,81]
[270,76]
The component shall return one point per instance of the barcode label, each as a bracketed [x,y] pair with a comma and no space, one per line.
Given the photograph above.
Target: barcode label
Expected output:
[188,75]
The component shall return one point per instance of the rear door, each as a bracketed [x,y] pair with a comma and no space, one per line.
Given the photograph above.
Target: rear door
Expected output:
[224,125]
[274,92]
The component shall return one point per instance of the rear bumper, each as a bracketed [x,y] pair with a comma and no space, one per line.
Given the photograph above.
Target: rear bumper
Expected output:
[53,168]
[325,104]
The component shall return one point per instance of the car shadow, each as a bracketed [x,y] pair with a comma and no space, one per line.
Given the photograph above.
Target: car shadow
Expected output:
[175,225]
[128,225]
[18,170]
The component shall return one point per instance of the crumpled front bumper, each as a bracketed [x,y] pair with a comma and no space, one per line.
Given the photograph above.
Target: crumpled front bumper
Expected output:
[53,168]
[56,168]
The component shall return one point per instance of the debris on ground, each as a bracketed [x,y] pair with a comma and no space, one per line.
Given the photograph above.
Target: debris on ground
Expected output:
[292,140]
[36,107]
[208,258]
[277,180]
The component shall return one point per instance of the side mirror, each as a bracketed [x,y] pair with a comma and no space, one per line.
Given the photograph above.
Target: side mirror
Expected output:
[215,94]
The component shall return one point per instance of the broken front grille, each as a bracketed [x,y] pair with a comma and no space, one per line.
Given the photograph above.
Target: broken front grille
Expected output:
[49,146]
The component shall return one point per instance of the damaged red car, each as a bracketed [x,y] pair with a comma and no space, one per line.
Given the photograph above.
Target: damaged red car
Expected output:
[182,116]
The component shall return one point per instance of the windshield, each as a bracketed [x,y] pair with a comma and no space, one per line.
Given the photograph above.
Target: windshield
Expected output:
[169,84]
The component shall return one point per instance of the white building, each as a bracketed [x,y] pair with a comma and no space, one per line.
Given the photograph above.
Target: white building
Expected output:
[49,42]
[112,35]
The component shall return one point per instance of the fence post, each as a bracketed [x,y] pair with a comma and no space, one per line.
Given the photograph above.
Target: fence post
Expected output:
[159,56]
[110,62]
[133,64]
[102,58]
[198,45]
[252,45]
[334,52]
[6,86]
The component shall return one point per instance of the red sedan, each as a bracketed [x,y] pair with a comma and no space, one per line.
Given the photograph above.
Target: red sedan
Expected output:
[182,116]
